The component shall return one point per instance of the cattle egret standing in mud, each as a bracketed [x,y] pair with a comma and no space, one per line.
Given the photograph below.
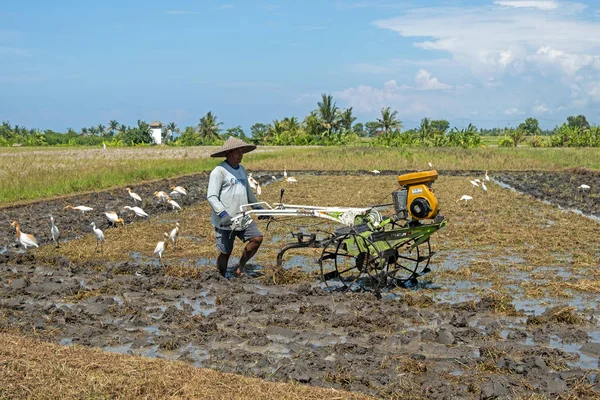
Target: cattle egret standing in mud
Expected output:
[375,172]
[291,179]
[104,145]
[134,196]
[475,184]
[465,197]
[175,235]
[487,178]
[24,239]
[583,187]
[173,203]
[273,178]
[179,189]
[83,209]
[258,190]
[430,164]
[284,173]
[113,218]
[138,211]
[54,232]
[161,195]
[483,187]
[99,237]
[161,246]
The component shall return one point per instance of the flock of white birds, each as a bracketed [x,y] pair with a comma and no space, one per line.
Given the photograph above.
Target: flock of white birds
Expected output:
[27,240]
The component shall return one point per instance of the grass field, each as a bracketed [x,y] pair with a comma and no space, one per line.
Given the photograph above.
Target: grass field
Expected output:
[29,174]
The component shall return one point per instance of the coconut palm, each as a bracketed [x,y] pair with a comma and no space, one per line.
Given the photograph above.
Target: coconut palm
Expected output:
[346,119]
[208,128]
[388,120]
[327,112]
[113,125]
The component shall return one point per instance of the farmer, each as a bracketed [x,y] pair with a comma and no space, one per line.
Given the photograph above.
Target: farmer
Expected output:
[228,189]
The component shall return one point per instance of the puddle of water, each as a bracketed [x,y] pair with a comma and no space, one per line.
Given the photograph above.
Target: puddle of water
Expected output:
[140,258]
[198,306]
[66,341]
[203,261]
[153,329]
[119,300]
[197,354]
[3,250]
[307,264]
[585,361]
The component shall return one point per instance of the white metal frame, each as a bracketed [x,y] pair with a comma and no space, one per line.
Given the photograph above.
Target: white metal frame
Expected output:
[343,215]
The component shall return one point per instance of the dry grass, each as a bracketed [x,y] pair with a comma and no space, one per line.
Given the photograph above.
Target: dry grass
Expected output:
[36,370]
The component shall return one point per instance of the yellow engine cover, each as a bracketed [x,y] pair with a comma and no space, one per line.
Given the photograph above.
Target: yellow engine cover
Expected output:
[421,202]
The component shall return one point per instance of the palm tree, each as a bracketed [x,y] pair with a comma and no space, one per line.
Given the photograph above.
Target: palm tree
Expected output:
[113,125]
[327,112]
[388,120]
[208,128]
[346,119]
[101,130]
[84,131]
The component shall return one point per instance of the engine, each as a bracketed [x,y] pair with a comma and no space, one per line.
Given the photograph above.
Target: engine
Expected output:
[415,196]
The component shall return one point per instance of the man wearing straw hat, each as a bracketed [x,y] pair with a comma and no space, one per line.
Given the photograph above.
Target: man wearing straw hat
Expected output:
[228,189]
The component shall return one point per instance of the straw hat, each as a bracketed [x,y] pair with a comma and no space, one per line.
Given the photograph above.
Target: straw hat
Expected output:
[231,144]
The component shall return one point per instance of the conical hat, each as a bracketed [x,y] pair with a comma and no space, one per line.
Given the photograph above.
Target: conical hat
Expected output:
[231,144]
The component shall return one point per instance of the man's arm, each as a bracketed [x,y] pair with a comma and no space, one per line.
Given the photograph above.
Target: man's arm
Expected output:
[214,191]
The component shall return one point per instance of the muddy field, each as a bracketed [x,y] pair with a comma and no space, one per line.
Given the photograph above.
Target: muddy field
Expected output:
[440,340]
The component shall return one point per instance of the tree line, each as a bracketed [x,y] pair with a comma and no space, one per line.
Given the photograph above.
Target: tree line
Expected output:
[326,125]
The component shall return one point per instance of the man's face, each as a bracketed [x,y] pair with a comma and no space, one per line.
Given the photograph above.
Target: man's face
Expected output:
[235,156]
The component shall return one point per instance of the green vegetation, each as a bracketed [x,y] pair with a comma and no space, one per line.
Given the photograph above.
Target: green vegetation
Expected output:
[36,173]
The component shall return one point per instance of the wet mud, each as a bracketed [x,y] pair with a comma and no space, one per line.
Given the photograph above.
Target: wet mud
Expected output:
[403,344]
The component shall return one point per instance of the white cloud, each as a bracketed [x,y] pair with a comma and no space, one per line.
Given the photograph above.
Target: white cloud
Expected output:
[541,4]
[540,109]
[424,81]
[513,111]
[569,63]
[488,39]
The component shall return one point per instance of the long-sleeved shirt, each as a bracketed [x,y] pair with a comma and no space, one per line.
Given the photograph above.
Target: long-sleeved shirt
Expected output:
[228,189]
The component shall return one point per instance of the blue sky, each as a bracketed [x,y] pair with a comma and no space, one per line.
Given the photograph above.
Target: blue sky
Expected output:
[493,63]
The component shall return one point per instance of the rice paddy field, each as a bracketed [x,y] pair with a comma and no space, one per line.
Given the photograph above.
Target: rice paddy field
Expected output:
[510,308]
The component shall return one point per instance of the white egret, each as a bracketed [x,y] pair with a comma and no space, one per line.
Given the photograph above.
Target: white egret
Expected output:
[252,182]
[179,189]
[258,190]
[375,172]
[138,211]
[291,179]
[477,180]
[161,247]
[54,232]
[104,145]
[174,236]
[487,178]
[134,196]
[26,240]
[583,187]
[475,184]
[273,178]
[465,197]
[284,173]
[173,203]
[430,164]
[483,187]
[161,195]
[99,237]
[113,218]
[83,209]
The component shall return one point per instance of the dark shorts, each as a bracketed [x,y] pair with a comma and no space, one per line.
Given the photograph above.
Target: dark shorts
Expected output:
[225,238]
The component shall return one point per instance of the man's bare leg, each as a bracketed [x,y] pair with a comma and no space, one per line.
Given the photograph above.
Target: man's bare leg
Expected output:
[222,261]
[249,252]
